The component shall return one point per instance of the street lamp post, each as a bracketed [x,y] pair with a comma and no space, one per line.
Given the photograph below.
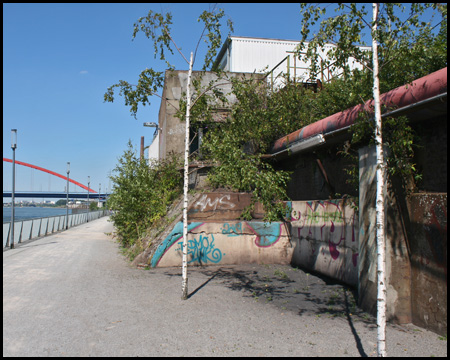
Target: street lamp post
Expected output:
[99,191]
[67,198]
[13,147]
[152,124]
[89,181]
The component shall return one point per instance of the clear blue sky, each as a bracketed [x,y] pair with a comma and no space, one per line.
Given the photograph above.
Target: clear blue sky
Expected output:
[58,61]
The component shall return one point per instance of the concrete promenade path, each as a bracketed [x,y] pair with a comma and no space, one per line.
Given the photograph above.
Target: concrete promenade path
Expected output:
[73,294]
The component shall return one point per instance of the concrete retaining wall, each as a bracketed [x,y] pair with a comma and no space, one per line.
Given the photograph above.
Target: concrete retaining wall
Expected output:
[320,236]
[325,235]
[226,243]
[428,246]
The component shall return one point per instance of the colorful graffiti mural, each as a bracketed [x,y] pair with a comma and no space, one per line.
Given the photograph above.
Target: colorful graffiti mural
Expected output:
[266,234]
[208,238]
[326,215]
[170,240]
[322,237]
[202,250]
[327,242]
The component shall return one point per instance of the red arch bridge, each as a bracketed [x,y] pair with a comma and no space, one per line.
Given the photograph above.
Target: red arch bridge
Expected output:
[54,194]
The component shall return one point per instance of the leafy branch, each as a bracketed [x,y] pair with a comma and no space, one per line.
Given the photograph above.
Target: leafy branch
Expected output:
[157,27]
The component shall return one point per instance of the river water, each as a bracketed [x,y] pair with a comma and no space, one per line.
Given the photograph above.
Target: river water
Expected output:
[22,213]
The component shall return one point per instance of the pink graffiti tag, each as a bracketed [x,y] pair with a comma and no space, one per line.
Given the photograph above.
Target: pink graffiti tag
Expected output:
[329,230]
[334,252]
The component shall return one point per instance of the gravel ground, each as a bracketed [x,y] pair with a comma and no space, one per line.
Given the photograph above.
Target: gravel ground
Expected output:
[73,294]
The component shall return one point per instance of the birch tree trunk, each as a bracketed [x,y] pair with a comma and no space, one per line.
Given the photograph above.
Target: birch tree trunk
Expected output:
[184,286]
[381,255]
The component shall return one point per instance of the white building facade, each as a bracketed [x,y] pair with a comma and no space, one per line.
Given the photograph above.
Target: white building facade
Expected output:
[153,149]
[247,54]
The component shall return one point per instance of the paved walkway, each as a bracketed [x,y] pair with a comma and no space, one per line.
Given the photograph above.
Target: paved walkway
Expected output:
[73,294]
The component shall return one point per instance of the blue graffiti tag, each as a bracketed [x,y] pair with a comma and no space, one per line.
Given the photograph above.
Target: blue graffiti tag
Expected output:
[232,229]
[202,250]
[266,234]
[175,234]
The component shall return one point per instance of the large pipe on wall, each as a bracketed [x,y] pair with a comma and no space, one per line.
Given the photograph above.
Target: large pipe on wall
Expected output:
[420,89]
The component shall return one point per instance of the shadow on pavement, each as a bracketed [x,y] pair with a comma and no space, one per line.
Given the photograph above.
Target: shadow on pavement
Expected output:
[290,289]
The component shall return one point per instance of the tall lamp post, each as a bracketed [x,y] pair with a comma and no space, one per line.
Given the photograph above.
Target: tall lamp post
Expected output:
[67,198]
[99,191]
[89,181]
[13,147]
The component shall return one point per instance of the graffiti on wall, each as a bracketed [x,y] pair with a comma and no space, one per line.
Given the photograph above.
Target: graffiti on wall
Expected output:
[203,247]
[330,218]
[205,203]
[232,229]
[202,250]
[175,235]
[267,234]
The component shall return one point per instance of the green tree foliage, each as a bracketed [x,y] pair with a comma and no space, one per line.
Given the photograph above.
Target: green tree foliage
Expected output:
[141,197]
[141,193]
[239,147]
[156,27]
[61,202]
[93,206]
[408,48]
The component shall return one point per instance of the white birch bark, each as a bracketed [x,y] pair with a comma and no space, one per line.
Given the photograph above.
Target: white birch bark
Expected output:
[184,286]
[381,255]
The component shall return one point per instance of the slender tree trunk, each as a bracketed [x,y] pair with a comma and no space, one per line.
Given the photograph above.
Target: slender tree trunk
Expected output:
[184,286]
[381,255]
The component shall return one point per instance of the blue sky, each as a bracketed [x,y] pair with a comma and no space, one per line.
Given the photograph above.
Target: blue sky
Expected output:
[58,61]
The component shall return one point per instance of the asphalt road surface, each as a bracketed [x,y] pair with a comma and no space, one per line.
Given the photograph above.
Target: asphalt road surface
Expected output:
[73,294]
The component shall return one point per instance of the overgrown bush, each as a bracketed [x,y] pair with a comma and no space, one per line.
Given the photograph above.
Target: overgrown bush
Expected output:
[93,206]
[257,119]
[142,193]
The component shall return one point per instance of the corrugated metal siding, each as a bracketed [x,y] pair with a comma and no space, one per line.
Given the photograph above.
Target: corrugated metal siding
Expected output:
[250,55]
[253,54]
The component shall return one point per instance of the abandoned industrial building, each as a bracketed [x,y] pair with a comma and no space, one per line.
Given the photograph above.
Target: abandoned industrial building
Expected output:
[327,235]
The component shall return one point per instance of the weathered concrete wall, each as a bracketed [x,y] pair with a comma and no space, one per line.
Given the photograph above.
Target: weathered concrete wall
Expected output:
[308,181]
[175,84]
[222,206]
[428,243]
[398,276]
[325,235]
[431,154]
[367,271]
[321,236]
[226,243]
[172,130]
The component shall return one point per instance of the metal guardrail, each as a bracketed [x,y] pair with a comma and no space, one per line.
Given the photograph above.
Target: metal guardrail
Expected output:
[37,227]
[326,72]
